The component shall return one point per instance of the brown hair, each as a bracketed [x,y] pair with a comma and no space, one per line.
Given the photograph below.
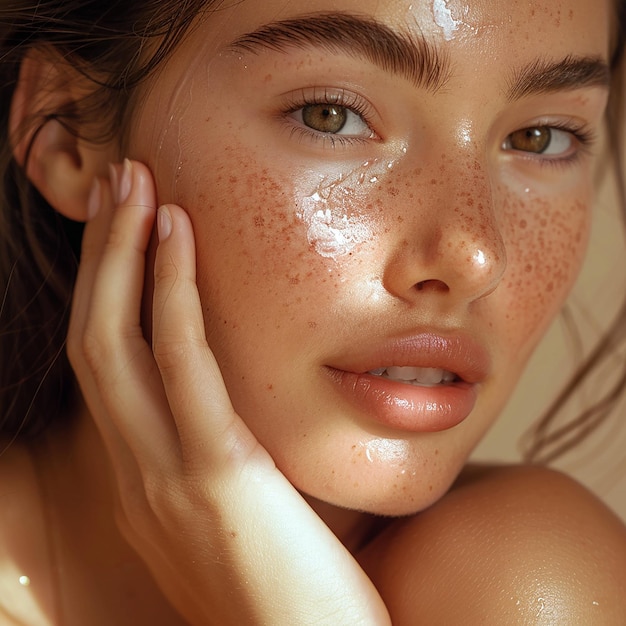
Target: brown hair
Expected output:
[39,248]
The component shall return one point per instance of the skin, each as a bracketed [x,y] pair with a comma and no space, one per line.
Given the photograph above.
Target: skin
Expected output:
[445,195]
[165,471]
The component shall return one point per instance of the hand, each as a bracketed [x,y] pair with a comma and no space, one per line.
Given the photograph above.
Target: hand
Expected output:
[225,535]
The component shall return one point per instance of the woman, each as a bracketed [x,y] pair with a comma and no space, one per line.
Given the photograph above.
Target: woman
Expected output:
[383,206]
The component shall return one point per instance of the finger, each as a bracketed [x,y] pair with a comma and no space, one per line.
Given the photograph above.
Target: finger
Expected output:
[119,285]
[126,380]
[209,429]
[93,241]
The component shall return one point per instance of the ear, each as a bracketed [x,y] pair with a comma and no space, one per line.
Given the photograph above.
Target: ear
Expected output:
[60,164]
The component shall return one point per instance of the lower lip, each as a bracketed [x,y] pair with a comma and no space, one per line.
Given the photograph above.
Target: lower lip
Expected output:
[403,406]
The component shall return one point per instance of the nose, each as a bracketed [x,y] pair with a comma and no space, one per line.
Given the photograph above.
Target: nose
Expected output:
[450,242]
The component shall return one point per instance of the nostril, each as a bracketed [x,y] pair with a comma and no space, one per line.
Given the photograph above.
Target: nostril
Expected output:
[432,285]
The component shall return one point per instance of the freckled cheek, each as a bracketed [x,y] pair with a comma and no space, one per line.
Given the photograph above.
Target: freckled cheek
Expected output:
[256,266]
[545,240]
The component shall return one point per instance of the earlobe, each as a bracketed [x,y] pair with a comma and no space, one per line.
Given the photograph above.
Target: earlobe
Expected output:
[59,163]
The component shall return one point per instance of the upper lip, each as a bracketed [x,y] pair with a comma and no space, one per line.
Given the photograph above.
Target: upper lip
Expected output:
[457,353]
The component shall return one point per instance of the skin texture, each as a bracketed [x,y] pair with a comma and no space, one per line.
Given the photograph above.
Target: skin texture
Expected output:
[456,234]
[192,483]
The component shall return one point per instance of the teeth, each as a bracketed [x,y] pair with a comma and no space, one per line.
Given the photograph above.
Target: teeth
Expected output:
[415,375]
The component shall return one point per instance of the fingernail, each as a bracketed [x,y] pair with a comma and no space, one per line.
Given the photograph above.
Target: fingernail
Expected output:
[125,182]
[164,223]
[114,179]
[94,200]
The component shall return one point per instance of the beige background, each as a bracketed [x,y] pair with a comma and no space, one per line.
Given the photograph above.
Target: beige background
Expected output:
[599,462]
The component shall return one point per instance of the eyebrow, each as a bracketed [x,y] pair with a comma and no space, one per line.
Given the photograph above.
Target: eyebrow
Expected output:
[412,56]
[403,54]
[572,72]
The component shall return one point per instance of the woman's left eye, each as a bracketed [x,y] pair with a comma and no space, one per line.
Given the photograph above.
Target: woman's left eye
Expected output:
[544,140]
[333,119]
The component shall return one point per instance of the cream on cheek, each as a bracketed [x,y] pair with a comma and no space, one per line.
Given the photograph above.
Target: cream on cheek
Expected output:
[334,213]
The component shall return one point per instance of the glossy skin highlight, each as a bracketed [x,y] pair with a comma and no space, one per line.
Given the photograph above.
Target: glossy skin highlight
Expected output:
[463,235]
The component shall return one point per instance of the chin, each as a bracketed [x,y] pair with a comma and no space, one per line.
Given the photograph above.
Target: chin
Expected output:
[397,496]
[393,507]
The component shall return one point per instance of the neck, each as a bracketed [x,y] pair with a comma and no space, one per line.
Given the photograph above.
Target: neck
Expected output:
[77,469]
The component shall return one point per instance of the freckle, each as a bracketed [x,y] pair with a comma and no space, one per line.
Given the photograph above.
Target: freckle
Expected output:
[550,287]
[528,268]
[433,181]
[270,387]
[267,78]
[523,224]
[430,487]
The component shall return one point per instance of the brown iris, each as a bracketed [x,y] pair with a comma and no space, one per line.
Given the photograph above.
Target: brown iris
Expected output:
[324,118]
[531,139]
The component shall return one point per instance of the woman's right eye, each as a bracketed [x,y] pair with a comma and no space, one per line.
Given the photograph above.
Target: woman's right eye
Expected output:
[332,119]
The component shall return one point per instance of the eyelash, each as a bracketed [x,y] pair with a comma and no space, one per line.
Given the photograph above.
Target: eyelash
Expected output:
[584,137]
[345,99]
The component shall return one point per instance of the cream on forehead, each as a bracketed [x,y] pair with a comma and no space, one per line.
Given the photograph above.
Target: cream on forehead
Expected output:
[443,19]
[453,18]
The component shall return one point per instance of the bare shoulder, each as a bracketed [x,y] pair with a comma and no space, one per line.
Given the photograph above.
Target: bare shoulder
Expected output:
[507,545]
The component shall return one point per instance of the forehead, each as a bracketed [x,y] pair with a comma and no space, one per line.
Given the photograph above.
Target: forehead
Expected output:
[538,27]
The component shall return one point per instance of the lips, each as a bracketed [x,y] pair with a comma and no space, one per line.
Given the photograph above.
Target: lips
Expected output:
[422,383]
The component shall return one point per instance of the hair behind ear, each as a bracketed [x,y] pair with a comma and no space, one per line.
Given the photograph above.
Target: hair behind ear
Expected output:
[44,163]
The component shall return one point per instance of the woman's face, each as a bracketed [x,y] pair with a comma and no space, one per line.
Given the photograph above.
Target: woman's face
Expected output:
[390,203]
